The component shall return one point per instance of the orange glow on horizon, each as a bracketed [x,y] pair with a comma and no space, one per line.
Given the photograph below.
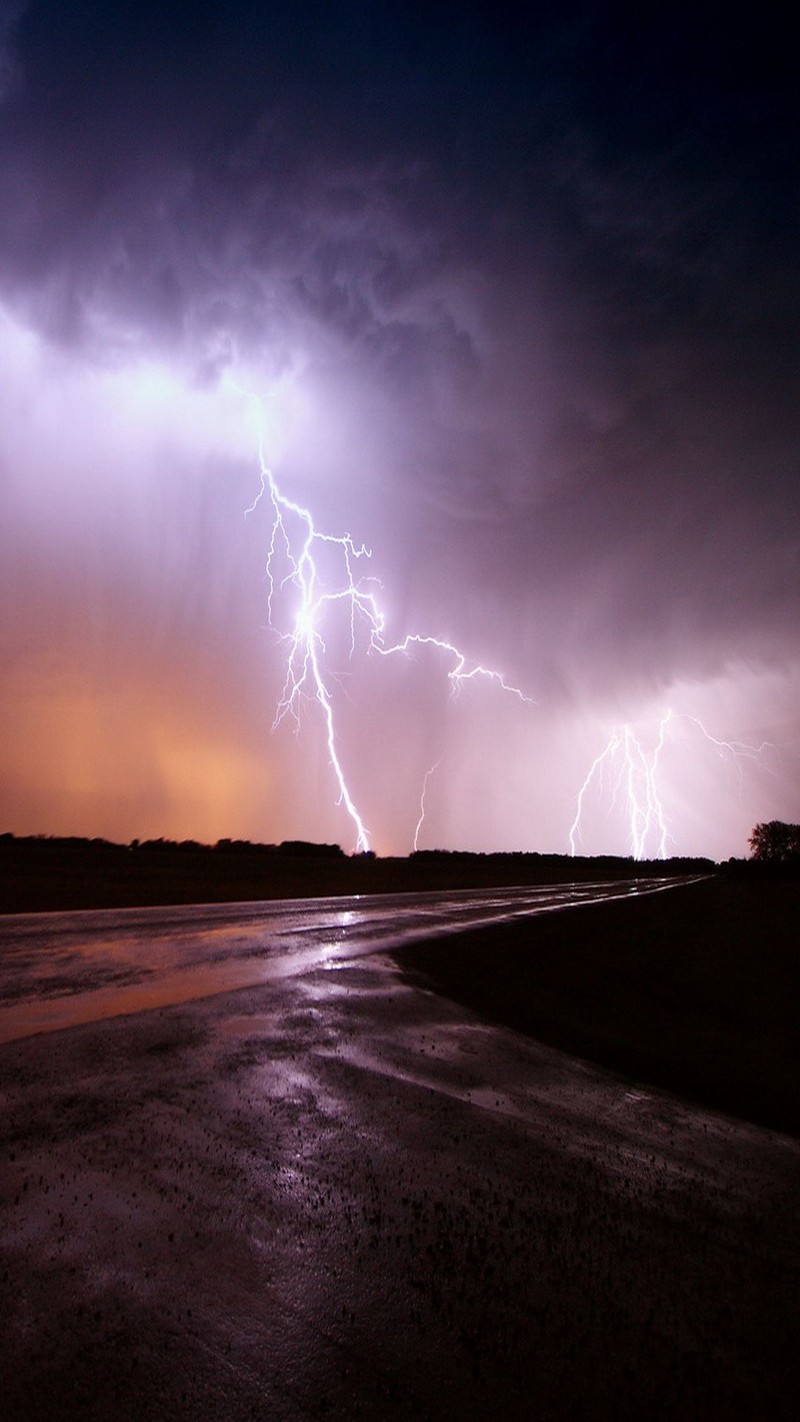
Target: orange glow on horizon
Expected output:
[99,759]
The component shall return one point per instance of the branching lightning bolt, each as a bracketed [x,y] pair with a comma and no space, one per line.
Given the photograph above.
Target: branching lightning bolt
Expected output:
[304,675]
[634,774]
[737,750]
[460,672]
[297,544]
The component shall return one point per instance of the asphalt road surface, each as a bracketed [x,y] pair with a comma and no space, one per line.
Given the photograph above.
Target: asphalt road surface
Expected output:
[332,1194]
[61,969]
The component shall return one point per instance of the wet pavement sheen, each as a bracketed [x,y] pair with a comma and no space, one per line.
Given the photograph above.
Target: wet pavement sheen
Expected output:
[61,969]
[330,1194]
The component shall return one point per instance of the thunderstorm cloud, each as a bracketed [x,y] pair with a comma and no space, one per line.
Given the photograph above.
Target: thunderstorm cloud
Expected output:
[519,298]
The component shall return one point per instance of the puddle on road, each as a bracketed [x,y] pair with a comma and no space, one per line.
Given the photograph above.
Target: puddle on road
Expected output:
[263,946]
[159,990]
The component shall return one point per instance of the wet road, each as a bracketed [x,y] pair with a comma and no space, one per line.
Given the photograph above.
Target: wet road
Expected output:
[333,1195]
[59,970]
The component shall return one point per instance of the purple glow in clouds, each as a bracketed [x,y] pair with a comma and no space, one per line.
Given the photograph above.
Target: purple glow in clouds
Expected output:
[520,296]
[294,560]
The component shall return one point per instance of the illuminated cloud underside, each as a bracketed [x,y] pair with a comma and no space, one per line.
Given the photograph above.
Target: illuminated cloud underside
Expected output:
[533,356]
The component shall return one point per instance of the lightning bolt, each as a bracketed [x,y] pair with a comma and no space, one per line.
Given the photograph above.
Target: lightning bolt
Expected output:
[460,671]
[634,776]
[736,750]
[634,772]
[322,572]
[432,769]
[294,535]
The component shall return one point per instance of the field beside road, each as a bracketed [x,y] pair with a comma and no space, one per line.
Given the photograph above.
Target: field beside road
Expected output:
[695,989]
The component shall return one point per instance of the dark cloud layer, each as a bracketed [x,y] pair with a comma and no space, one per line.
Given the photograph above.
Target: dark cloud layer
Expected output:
[537,273]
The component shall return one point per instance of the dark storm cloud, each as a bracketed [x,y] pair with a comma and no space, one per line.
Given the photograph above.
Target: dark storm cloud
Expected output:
[367,147]
[548,256]
[180,182]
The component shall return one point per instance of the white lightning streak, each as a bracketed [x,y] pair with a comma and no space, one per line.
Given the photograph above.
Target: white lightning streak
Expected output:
[297,543]
[636,773]
[737,750]
[596,768]
[432,769]
[458,673]
[303,672]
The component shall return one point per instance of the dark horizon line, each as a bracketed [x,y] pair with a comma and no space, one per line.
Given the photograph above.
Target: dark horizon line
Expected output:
[303,847]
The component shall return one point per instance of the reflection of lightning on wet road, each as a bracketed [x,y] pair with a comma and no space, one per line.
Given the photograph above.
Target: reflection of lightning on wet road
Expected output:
[57,970]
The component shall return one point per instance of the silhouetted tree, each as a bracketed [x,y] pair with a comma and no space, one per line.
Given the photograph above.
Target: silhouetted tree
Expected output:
[775,842]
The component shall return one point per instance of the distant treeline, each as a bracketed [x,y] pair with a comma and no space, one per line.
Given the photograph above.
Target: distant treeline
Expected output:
[762,869]
[308,849]
[600,863]
[292,847]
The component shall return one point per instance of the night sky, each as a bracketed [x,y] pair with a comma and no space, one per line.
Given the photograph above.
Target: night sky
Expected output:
[512,299]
